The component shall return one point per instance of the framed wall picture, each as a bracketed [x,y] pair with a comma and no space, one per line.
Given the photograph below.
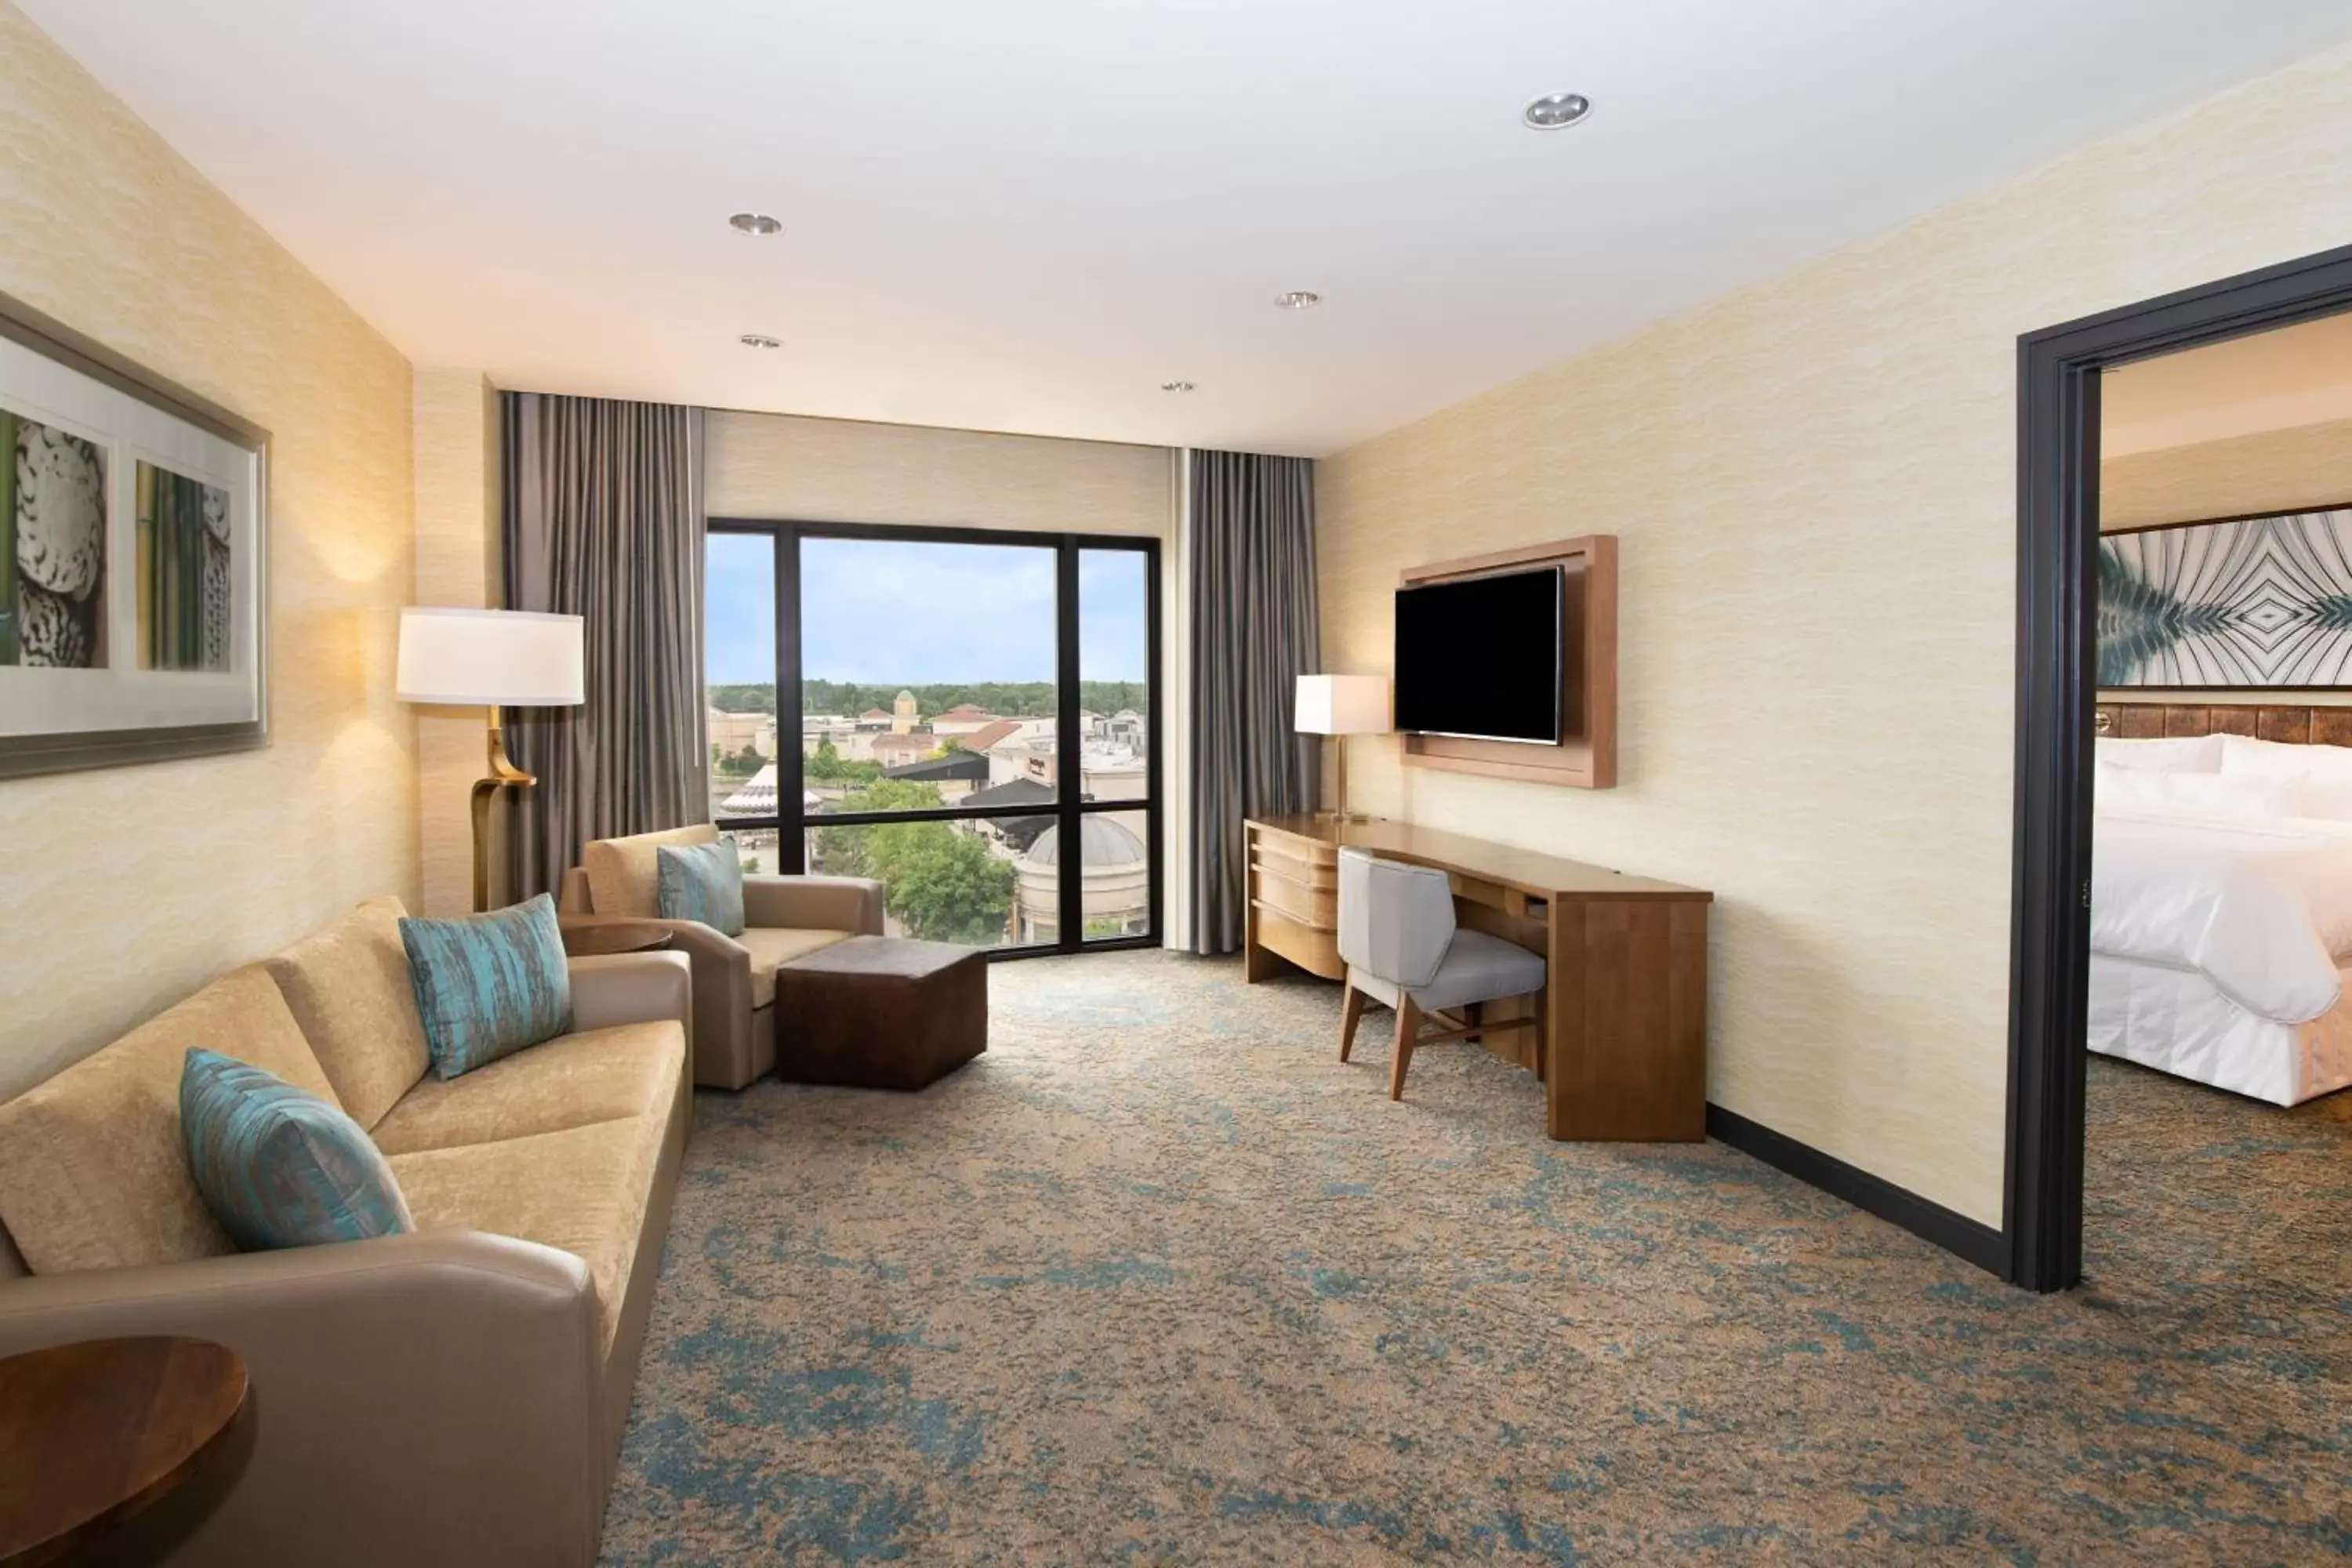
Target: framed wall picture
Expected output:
[2260,601]
[133,561]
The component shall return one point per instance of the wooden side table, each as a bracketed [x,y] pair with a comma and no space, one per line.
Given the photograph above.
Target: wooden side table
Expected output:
[101,1432]
[603,939]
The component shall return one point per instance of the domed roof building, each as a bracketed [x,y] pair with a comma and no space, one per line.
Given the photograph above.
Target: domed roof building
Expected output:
[1116,881]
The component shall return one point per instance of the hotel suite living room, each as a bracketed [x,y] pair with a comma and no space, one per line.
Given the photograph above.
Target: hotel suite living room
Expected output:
[1182,784]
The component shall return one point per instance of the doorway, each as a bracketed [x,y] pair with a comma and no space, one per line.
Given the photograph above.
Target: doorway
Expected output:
[2060,391]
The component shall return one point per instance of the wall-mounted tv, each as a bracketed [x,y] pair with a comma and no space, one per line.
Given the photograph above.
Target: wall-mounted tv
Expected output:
[1481,656]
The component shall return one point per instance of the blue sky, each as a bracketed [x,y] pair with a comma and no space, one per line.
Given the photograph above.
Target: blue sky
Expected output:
[884,611]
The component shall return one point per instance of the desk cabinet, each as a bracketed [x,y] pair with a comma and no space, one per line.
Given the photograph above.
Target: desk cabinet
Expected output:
[1625,1006]
[1294,903]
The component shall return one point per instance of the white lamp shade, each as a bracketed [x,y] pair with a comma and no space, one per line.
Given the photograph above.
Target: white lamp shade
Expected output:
[1342,705]
[491,658]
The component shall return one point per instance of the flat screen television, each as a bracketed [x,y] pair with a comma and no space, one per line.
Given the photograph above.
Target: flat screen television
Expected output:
[1481,657]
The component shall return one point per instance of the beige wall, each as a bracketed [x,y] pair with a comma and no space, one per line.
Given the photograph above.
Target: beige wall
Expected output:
[842,470]
[1814,482]
[2305,468]
[133,886]
[457,563]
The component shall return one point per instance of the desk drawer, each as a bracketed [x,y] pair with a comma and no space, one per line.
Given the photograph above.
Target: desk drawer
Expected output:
[1300,861]
[1316,952]
[1273,887]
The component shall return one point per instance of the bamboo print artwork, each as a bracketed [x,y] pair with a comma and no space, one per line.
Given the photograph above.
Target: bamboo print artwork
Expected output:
[183,572]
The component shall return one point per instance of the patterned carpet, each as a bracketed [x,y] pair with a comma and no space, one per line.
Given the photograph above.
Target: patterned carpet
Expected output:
[1159,1280]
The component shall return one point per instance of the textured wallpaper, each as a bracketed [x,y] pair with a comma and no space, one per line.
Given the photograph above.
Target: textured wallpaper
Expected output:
[1815,480]
[132,887]
[842,470]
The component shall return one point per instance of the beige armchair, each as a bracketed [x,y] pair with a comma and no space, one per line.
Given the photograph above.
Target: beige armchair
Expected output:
[735,1019]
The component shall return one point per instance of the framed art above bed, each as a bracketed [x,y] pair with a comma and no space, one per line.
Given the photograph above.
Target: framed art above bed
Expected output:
[2261,601]
[133,561]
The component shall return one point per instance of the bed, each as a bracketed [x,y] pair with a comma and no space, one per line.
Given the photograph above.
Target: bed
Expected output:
[2221,899]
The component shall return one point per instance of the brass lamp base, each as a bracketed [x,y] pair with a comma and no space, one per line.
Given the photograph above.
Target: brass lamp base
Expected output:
[1343,814]
[503,774]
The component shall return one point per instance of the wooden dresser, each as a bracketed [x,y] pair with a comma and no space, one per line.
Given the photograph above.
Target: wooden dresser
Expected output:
[1625,1011]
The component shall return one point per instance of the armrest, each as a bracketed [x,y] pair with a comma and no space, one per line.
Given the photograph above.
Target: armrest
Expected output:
[721,988]
[467,1366]
[853,904]
[632,989]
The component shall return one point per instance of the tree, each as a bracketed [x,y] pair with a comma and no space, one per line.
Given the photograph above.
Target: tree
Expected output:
[944,885]
[740,765]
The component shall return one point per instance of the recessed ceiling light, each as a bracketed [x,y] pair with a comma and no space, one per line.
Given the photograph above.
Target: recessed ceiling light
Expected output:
[760,341]
[1558,111]
[759,224]
[1175,386]
[1297,299]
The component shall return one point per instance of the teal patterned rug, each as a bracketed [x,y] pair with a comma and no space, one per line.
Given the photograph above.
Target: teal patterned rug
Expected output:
[1159,1280]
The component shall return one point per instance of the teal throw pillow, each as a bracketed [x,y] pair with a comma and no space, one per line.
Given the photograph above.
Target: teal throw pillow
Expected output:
[489,985]
[278,1166]
[702,882]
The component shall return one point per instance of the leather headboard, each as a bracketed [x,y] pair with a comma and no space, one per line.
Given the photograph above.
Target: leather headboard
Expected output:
[2268,721]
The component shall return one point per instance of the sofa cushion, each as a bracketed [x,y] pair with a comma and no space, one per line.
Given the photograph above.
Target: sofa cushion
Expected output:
[700,882]
[624,875]
[583,1190]
[278,1167]
[93,1170]
[772,945]
[489,985]
[603,1075]
[347,983]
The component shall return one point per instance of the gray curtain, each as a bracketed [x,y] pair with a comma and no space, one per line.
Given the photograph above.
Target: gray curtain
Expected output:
[602,519]
[1255,631]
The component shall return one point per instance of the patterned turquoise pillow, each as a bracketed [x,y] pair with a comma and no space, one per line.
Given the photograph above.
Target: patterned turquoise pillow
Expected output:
[489,984]
[702,882]
[278,1166]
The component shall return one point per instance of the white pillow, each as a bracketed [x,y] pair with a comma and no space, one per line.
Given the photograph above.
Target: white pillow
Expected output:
[2141,789]
[2242,754]
[2191,755]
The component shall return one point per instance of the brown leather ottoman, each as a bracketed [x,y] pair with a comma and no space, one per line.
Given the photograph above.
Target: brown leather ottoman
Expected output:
[880,1012]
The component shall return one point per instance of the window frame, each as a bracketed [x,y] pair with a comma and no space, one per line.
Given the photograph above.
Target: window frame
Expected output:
[791,822]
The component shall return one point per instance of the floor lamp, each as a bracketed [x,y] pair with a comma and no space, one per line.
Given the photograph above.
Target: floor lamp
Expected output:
[1342,705]
[493,660]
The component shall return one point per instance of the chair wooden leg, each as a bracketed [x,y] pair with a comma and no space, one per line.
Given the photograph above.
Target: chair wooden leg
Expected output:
[1408,1026]
[1474,1016]
[1351,1013]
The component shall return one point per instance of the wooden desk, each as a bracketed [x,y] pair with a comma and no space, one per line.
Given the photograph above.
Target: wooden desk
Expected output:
[1625,1009]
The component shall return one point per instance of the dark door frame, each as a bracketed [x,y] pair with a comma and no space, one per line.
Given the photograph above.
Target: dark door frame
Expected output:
[1070,812]
[2057,585]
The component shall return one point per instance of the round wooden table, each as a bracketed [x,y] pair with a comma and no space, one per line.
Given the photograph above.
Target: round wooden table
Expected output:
[602,938]
[98,1432]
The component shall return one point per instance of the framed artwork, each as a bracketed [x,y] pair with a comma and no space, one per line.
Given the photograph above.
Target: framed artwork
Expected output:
[133,561]
[2258,601]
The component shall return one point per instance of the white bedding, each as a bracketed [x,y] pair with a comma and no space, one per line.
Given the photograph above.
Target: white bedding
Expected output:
[2261,907]
[2175,1021]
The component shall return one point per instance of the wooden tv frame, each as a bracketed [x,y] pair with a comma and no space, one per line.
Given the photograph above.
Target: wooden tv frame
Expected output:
[1585,756]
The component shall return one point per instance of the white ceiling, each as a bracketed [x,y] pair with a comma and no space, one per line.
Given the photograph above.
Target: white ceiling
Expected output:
[2278,380]
[1024,214]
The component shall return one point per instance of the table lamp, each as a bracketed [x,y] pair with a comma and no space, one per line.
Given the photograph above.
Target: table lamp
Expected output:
[1342,705]
[494,659]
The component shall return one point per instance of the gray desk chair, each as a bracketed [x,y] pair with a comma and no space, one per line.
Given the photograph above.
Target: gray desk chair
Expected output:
[1402,948]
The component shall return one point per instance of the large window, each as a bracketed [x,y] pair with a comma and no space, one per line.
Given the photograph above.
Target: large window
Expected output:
[963,715]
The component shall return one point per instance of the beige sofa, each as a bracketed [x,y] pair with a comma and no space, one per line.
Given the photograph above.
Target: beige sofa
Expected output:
[451,1396]
[785,918]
